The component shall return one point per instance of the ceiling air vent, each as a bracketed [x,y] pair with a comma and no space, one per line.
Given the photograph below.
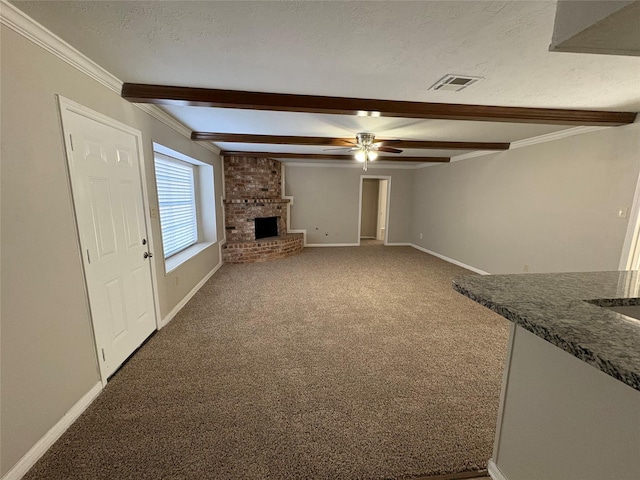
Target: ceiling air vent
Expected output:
[454,83]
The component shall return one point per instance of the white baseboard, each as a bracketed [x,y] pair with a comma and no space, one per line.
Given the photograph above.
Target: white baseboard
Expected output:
[450,260]
[32,456]
[400,244]
[188,296]
[367,238]
[332,245]
[494,471]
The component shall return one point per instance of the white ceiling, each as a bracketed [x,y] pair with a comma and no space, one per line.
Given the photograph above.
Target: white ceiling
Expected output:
[383,50]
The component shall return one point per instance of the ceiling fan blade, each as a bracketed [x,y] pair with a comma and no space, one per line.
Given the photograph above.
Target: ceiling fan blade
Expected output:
[342,149]
[388,150]
[384,143]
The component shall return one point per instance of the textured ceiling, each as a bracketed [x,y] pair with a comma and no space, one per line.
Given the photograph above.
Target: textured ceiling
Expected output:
[382,50]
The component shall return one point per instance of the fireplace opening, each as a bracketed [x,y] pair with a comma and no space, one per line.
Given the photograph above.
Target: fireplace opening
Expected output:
[266,227]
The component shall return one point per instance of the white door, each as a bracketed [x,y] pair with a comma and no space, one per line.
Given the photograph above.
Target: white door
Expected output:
[107,194]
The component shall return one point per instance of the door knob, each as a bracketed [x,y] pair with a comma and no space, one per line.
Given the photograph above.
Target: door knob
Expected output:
[147,255]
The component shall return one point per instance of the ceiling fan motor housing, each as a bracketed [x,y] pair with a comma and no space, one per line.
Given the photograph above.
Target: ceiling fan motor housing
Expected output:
[365,139]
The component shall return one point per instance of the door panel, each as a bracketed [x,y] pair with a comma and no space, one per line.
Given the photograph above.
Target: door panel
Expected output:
[107,192]
[130,215]
[117,313]
[102,217]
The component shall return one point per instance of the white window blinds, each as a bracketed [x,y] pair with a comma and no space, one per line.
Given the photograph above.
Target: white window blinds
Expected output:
[177,202]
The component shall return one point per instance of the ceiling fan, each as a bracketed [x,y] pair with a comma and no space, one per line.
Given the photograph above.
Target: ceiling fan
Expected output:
[366,150]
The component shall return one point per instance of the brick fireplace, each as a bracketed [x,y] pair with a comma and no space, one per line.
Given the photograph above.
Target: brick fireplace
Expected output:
[253,189]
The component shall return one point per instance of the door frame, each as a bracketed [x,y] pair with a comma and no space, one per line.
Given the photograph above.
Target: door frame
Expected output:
[66,108]
[630,255]
[387,206]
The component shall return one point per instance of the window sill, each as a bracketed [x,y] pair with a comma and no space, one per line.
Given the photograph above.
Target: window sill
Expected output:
[174,261]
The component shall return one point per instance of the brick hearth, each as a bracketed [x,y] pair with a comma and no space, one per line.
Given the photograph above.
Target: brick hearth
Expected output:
[253,188]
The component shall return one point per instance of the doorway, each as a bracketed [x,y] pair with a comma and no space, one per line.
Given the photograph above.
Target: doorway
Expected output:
[374,209]
[630,258]
[106,170]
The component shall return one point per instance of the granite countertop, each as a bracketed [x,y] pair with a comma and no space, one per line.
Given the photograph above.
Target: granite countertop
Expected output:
[566,309]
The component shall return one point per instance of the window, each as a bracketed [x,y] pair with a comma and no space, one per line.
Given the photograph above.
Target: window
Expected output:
[186,205]
[177,204]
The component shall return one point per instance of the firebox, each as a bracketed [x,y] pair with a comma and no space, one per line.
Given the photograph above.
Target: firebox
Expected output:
[266,227]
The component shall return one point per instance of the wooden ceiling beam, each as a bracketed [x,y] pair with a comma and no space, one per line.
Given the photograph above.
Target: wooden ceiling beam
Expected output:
[282,102]
[322,156]
[342,142]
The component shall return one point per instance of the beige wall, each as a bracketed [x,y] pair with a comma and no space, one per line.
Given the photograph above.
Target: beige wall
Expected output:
[326,202]
[47,351]
[552,206]
[369,215]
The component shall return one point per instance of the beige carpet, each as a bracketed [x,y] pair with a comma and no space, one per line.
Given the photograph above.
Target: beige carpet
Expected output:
[338,363]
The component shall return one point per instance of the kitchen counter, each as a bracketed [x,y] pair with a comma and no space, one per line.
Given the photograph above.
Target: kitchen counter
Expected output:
[570,399]
[569,311]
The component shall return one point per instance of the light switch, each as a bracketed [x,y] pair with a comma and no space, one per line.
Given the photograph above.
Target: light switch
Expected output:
[622,213]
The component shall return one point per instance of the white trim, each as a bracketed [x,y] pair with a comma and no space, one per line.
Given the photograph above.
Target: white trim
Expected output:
[67,106]
[22,24]
[332,245]
[33,455]
[553,136]
[174,124]
[399,244]
[175,261]
[547,137]
[176,155]
[450,260]
[304,235]
[387,206]
[26,26]
[494,471]
[631,246]
[283,180]
[194,290]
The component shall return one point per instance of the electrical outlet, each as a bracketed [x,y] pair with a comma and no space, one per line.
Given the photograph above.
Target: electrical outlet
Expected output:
[153,212]
[525,268]
[420,236]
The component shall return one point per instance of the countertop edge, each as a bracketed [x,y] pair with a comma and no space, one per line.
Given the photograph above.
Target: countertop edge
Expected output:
[618,372]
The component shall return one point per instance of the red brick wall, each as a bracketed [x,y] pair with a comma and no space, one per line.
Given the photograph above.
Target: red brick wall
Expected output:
[239,216]
[247,177]
[262,250]
[253,188]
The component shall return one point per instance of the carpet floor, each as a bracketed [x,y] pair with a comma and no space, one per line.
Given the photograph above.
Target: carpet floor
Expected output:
[337,363]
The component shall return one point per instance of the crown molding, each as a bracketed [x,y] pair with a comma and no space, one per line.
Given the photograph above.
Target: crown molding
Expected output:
[22,24]
[26,26]
[548,137]
[171,122]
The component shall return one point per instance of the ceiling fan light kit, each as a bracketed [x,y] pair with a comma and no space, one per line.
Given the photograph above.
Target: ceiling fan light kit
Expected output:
[366,150]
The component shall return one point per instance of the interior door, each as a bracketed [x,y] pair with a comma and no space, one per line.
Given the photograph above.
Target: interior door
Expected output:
[108,199]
